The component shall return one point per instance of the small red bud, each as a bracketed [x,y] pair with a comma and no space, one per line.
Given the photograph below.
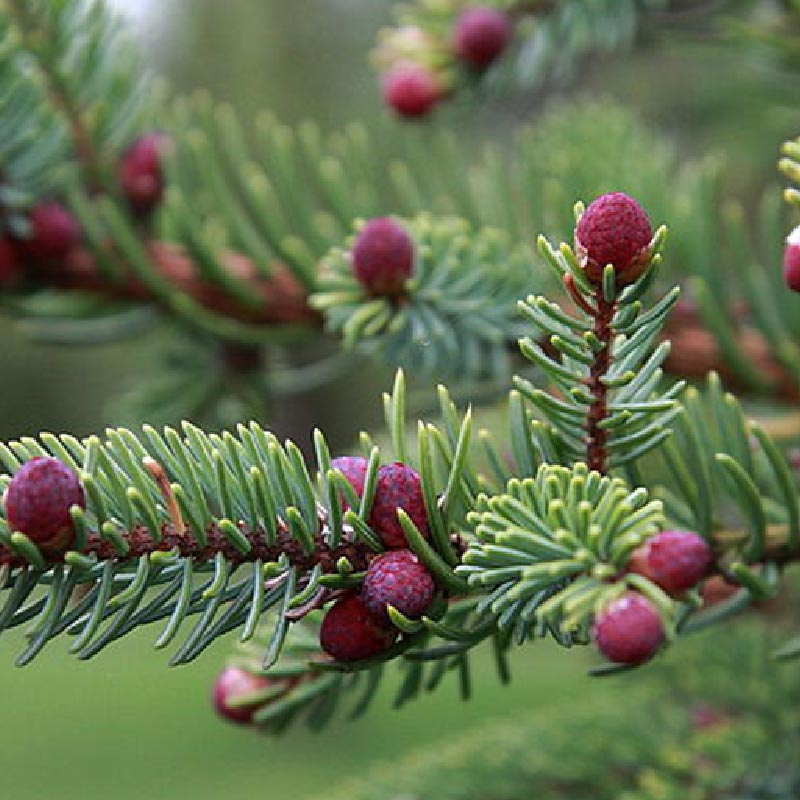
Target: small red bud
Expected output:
[791,260]
[614,230]
[397,579]
[141,173]
[674,560]
[354,468]
[481,34]
[397,486]
[629,630]
[54,232]
[411,90]
[38,502]
[232,683]
[383,256]
[350,633]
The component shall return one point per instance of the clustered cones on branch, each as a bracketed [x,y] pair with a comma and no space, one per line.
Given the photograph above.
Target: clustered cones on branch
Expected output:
[360,622]
[52,255]
[421,68]
[384,541]
[614,246]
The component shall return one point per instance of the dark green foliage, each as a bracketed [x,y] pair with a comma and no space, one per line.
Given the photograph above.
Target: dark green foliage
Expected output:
[640,742]
[530,533]
[548,548]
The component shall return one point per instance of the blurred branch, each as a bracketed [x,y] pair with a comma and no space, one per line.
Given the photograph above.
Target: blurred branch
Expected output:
[696,352]
[283,298]
[37,37]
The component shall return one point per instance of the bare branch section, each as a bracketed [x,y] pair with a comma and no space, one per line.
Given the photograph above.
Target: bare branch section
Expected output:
[696,352]
[140,542]
[596,436]
[283,299]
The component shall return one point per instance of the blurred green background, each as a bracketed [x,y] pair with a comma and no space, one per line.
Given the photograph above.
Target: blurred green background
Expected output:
[125,726]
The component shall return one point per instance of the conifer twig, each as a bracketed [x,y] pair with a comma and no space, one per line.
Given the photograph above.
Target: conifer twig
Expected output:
[36,35]
[283,298]
[596,453]
[140,542]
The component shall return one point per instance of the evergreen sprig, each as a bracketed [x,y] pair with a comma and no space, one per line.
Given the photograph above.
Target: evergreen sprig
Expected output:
[252,208]
[33,138]
[458,314]
[728,732]
[608,409]
[279,197]
[552,42]
[232,529]
[550,39]
[184,516]
[550,549]
[173,520]
[78,58]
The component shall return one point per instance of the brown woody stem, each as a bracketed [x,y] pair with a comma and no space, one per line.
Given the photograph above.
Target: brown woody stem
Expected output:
[775,545]
[140,543]
[596,437]
[282,298]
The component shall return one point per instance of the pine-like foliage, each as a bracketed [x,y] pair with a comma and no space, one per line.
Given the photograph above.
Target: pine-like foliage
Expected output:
[232,528]
[550,38]
[729,731]
[527,533]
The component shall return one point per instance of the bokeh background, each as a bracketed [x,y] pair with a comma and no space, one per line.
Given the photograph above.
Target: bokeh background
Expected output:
[125,726]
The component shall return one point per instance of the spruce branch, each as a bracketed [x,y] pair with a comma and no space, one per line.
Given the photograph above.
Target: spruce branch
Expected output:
[604,407]
[544,554]
[277,299]
[243,501]
[456,316]
[36,29]
[596,436]
[267,219]
[548,43]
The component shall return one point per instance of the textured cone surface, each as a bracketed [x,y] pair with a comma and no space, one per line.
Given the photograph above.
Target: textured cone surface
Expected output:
[350,633]
[398,486]
[629,630]
[614,230]
[38,501]
[354,468]
[398,579]
[674,560]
